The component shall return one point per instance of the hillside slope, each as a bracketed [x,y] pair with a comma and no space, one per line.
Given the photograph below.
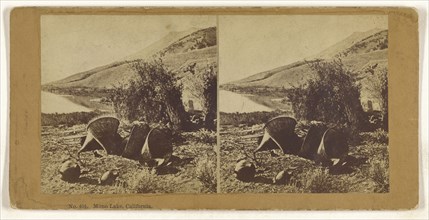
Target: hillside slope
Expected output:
[159,45]
[358,52]
[177,50]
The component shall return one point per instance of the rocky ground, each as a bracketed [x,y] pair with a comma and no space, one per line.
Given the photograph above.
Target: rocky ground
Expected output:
[367,169]
[192,171]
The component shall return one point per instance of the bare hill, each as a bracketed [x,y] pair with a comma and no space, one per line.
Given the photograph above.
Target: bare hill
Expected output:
[159,45]
[357,52]
[177,50]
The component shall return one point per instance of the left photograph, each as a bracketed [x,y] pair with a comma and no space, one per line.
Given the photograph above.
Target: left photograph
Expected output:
[128,104]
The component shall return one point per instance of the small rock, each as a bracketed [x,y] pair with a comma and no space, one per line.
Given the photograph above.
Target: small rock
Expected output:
[282,177]
[70,171]
[108,177]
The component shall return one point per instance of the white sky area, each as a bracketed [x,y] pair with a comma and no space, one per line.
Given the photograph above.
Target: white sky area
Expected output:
[247,44]
[252,44]
[76,43]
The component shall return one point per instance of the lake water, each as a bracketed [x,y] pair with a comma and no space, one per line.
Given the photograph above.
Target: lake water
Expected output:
[231,102]
[53,103]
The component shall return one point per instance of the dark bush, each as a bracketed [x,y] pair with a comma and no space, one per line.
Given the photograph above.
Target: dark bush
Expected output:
[203,86]
[332,96]
[209,80]
[378,85]
[154,96]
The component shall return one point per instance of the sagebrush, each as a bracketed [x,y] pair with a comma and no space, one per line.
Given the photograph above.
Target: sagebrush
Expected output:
[206,172]
[379,172]
[320,181]
[145,182]
[206,136]
[380,136]
[332,96]
[154,96]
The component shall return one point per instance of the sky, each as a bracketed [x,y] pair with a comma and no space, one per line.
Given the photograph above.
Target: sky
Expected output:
[252,44]
[76,43]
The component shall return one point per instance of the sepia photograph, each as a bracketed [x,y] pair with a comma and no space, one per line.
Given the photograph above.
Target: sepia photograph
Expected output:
[213,108]
[303,104]
[128,104]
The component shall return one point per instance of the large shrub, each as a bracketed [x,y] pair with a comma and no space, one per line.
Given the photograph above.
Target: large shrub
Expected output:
[332,96]
[154,96]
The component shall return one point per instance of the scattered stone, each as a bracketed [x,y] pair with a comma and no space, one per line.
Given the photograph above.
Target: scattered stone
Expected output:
[283,177]
[108,177]
[70,171]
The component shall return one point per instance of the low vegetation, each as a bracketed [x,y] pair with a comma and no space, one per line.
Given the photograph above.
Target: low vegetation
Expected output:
[259,90]
[377,136]
[379,172]
[68,119]
[251,118]
[320,181]
[77,91]
[206,136]
[145,182]
[206,172]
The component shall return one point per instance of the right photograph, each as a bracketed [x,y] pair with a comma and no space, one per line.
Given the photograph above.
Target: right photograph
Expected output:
[303,104]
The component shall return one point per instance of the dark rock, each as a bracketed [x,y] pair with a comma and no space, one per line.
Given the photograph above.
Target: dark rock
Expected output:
[245,170]
[70,171]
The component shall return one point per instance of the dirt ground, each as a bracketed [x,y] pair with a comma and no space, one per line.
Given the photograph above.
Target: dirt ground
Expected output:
[62,143]
[239,142]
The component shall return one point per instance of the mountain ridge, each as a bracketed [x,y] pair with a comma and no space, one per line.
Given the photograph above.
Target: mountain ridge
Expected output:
[356,51]
[159,45]
[197,45]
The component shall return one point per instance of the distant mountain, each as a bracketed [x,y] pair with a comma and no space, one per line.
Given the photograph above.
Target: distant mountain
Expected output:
[358,52]
[340,48]
[177,50]
[160,45]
